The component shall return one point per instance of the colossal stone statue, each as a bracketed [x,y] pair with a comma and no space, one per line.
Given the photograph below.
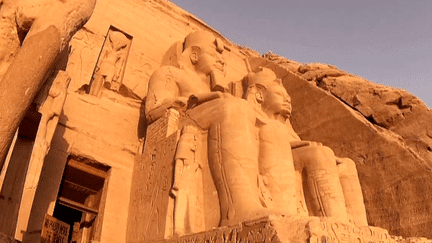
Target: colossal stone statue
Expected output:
[196,85]
[272,107]
[333,189]
[44,28]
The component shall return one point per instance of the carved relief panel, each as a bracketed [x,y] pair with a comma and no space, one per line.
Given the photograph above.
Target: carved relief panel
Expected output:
[111,63]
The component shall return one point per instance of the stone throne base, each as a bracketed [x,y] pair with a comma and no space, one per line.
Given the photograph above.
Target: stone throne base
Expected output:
[295,229]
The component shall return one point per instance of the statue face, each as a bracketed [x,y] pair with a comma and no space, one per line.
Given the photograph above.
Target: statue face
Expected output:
[209,60]
[276,101]
[118,40]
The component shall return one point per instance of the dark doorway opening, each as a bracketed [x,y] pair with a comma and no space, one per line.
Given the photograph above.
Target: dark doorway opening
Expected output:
[81,199]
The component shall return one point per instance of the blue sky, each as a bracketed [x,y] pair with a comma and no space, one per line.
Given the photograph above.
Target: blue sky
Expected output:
[384,41]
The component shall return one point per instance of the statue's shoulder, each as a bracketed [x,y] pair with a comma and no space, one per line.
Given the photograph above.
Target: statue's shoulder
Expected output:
[166,79]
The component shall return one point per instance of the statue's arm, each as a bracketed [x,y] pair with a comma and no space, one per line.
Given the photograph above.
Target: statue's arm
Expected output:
[178,169]
[120,66]
[158,111]
[299,143]
[162,95]
[197,99]
[295,140]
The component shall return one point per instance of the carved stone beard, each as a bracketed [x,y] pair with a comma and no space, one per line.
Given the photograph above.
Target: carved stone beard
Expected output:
[217,82]
[284,115]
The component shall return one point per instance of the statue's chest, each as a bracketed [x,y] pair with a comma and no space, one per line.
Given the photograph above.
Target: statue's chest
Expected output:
[188,87]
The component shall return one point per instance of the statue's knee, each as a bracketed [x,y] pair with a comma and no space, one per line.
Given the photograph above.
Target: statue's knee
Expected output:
[320,157]
[232,108]
[326,151]
[348,163]
[346,167]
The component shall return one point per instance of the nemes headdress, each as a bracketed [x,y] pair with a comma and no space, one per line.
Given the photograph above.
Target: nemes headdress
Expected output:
[198,38]
[262,76]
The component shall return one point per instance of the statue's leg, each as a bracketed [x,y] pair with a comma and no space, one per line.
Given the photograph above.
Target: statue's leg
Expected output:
[23,79]
[352,191]
[115,85]
[281,183]
[180,211]
[233,157]
[233,152]
[96,87]
[192,204]
[324,193]
[277,168]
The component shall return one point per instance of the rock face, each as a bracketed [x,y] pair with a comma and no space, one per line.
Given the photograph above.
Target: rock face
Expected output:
[91,161]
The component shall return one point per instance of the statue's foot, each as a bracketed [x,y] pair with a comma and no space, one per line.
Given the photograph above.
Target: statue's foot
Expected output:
[179,232]
[246,216]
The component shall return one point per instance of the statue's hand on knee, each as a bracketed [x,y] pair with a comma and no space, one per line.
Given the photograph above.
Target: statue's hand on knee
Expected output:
[298,144]
[197,99]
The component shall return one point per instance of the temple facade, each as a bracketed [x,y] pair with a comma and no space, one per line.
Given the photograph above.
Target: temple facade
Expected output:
[90,162]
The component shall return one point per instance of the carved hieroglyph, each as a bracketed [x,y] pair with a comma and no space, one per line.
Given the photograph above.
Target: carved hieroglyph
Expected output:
[301,229]
[153,174]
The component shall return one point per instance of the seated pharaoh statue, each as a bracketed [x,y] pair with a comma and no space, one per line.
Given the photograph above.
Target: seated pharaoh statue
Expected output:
[332,188]
[195,85]
[258,164]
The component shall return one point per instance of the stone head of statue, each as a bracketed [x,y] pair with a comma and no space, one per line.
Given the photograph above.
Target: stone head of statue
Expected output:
[266,90]
[118,40]
[204,51]
[60,84]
